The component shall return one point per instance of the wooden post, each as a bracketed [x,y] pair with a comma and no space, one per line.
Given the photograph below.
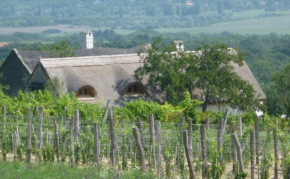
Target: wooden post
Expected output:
[17,141]
[28,131]
[180,140]
[3,112]
[219,141]
[277,123]
[175,162]
[63,155]
[257,139]
[105,113]
[35,110]
[181,123]
[152,142]
[124,153]
[252,155]
[190,138]
[71,151]
[276,153]
[219,135]
[56,134]
[233,149]
[240,127]
[190,167]
[112,138]
[140,128]
[208,123]
[140,149]
[159,149]
[239,152]
[96,140]
[77,123]
[40,133]
[225,121]
[13,146]
[203,151]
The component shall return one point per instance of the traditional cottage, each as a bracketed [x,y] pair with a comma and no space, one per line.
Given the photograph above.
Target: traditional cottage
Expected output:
[109,77]
[93,79]
[20,64]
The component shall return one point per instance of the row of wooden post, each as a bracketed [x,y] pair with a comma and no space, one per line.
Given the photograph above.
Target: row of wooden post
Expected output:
[155,154]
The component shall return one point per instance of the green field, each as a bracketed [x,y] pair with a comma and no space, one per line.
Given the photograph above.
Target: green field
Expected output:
[246,22]
[280,25]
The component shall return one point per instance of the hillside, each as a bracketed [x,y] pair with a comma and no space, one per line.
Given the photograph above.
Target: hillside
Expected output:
[135,14]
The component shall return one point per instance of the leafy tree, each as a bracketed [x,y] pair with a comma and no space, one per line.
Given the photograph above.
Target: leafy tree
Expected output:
[210,70]
[167,9]
[150,10]
[166,73]
[281,81]
[54,86]
[218,81]
[59,49]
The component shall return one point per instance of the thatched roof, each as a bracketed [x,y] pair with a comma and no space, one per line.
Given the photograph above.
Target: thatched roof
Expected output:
[246,74]
[110,75]
[31,58]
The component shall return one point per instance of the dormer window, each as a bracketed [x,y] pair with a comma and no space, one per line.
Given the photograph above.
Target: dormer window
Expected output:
[86,92]
[134,89]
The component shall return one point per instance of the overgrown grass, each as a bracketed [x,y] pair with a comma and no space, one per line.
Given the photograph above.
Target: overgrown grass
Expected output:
[59,171]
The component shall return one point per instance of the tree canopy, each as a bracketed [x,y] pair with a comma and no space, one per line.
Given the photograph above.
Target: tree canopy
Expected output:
[281,81]
[59,49]
[208,71]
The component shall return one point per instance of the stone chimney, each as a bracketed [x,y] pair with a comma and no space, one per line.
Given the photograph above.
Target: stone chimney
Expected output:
[179,45]
[87,40]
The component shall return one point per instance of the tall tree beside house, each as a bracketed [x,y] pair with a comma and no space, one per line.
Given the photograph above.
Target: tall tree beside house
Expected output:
[208,71]
[218,81]
[167,73]
[59,49]
[281,81]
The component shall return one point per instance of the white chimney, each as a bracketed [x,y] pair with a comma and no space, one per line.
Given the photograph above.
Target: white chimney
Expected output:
[87,40]
[179,45]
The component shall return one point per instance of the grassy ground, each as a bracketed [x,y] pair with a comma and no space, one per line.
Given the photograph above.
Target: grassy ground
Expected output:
[246,22]
[58,171]
[65,29]
[267,25]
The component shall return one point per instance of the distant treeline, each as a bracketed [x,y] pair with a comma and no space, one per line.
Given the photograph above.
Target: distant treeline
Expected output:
[265,53]
[128,14]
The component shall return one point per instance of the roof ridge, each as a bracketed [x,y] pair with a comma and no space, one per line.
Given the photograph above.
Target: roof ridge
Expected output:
[88,57]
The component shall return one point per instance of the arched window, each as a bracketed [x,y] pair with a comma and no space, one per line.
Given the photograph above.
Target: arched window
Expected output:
[135,88]
[86,92]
